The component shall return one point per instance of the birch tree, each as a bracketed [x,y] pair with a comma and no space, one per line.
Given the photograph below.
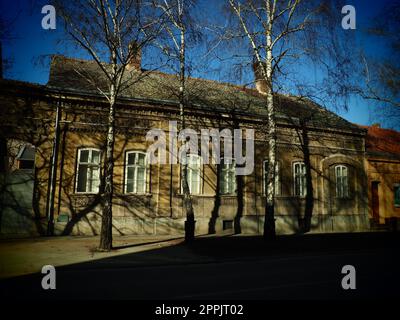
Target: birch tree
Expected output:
[113,31]
[176,29]
[279,33]
[266,13]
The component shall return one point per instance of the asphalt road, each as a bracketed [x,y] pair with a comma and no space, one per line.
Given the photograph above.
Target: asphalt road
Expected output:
[309,274]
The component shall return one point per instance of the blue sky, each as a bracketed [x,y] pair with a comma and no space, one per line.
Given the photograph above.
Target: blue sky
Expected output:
[31,41]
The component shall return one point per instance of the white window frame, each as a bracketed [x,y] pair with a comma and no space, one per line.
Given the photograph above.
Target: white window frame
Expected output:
[277,178]
[89,164]
[302,179]
[190,172]
[136,166]
[342,181]
[225,177]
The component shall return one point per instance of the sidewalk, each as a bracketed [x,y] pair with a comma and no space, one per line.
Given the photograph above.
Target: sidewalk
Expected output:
[24,256]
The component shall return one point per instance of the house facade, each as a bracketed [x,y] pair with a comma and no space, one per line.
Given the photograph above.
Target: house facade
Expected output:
[383,170]
[64,123]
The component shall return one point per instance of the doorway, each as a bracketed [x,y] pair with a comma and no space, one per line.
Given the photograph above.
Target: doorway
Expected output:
[375,200]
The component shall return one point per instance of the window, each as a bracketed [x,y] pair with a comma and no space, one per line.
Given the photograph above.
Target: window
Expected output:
[26,157]
[277,178]
[227,225]
[299,178]
[88,171]
[228,176]
[397,195]
[194,164]
[136,168]
[342,181]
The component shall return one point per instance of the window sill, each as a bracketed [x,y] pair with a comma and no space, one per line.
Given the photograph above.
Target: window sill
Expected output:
[132,194]
[277,196]
[202,195]
[282,197]
[86,193]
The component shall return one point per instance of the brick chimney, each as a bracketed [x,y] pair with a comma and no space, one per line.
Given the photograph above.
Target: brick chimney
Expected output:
[260,83]
[135,62]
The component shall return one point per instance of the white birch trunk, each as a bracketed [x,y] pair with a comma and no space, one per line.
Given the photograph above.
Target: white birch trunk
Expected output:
[269,222]
[106,222]
[187,201]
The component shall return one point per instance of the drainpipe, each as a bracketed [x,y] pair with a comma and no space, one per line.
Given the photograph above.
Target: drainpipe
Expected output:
[53,173]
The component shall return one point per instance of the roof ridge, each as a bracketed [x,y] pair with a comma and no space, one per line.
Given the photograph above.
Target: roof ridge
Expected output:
[241,87]
[244,88]
[57,55]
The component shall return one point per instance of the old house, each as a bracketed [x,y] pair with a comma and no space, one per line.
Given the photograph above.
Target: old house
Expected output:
[63,122]
[383,170]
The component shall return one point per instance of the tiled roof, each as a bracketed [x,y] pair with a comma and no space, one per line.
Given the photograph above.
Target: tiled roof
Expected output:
[73,74]
[383,142]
